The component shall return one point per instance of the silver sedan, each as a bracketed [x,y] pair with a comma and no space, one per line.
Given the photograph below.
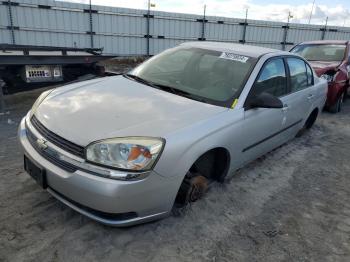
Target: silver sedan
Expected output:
[124,149]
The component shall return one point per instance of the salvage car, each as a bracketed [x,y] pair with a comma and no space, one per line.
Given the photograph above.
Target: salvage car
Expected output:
[330,60]
[124,149]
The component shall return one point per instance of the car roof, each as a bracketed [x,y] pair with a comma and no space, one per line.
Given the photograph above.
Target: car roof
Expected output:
[248,50]
[325,42]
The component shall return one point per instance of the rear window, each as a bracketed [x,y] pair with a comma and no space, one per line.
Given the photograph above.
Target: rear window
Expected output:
[320,52]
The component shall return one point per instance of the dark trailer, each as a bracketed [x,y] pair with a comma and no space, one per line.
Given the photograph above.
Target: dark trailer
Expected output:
[23,67]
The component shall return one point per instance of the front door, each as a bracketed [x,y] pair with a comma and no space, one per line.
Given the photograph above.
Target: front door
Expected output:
[262,126]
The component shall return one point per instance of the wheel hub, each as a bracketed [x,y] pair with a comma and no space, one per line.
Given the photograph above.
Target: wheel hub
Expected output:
[199,186]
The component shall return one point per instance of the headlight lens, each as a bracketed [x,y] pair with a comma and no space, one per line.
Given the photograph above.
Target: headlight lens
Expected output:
[131,153]
[38,101]
[328,77]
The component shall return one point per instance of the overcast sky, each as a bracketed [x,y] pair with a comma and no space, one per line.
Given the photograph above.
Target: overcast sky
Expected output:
[275,10]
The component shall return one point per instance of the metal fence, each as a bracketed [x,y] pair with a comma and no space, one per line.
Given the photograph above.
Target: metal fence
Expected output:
[123,31]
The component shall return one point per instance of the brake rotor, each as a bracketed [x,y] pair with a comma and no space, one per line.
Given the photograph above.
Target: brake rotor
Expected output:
[199,185]
[192,188]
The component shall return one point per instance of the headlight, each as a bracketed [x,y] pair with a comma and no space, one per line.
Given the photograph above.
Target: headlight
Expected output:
[130,153]
[328,77]
[38,101]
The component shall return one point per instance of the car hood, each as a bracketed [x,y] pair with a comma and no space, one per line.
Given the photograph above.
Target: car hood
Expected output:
[322,67]
[117,107]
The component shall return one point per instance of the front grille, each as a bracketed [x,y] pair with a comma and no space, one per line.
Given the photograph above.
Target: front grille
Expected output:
[57,140]
[49,154]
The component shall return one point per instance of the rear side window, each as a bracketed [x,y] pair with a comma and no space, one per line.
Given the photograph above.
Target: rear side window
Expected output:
[310,76]
[298,75]
[272,79]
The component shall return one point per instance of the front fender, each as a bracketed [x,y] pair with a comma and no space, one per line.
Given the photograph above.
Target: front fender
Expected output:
[184,147]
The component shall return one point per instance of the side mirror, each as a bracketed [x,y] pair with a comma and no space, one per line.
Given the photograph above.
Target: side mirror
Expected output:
[266,100]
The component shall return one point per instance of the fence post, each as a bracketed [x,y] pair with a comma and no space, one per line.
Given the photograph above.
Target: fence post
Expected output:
[11,27]
[91,28]
[148,25]
[285,34]
[324,29]
[203,21]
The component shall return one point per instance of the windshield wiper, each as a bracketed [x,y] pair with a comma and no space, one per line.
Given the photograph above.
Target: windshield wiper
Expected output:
[158,86]
[165,88]
[169,89]
[180,92]
[140,80]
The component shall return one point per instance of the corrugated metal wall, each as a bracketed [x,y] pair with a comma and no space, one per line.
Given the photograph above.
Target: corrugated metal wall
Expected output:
[124,31]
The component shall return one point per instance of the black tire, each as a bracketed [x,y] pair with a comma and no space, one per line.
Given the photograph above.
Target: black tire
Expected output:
[308,123]
[347,91]
[338,105]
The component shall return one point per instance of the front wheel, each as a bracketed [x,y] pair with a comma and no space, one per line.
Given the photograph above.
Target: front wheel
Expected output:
[192,188]
[338,105]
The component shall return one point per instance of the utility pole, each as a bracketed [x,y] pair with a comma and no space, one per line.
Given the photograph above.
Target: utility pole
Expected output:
[312,9]
[245,26]
[289,17]
[286,27]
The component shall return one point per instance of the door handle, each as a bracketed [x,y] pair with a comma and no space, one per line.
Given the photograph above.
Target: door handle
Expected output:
[285,108]
[310,96]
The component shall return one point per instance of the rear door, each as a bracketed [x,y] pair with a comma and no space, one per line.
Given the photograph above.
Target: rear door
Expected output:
[298,103]
[262,126]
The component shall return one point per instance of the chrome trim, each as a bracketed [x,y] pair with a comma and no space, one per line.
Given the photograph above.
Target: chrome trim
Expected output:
[56,139]
[48,143]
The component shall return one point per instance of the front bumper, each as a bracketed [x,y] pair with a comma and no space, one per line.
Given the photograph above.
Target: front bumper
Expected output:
[111,202]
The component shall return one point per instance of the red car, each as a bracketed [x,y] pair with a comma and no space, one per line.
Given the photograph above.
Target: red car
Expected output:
[330,60]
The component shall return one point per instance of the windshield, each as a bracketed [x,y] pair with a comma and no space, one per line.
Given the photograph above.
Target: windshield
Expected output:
[209,76]
[320,52]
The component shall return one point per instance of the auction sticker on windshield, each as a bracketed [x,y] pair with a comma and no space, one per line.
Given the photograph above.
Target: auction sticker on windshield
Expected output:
[235,57]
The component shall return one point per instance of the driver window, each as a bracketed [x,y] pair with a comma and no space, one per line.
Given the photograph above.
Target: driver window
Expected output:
[272,79]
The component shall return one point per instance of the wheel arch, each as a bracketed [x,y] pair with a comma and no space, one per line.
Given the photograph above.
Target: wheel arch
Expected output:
[214,163]
[310,120]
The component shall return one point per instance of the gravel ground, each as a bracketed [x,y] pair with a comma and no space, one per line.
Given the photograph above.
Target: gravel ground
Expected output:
[290,205]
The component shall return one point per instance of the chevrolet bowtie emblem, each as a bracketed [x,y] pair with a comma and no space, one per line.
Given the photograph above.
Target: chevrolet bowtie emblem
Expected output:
[41,143]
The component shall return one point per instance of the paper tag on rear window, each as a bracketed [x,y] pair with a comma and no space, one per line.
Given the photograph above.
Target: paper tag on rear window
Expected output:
[235,57]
